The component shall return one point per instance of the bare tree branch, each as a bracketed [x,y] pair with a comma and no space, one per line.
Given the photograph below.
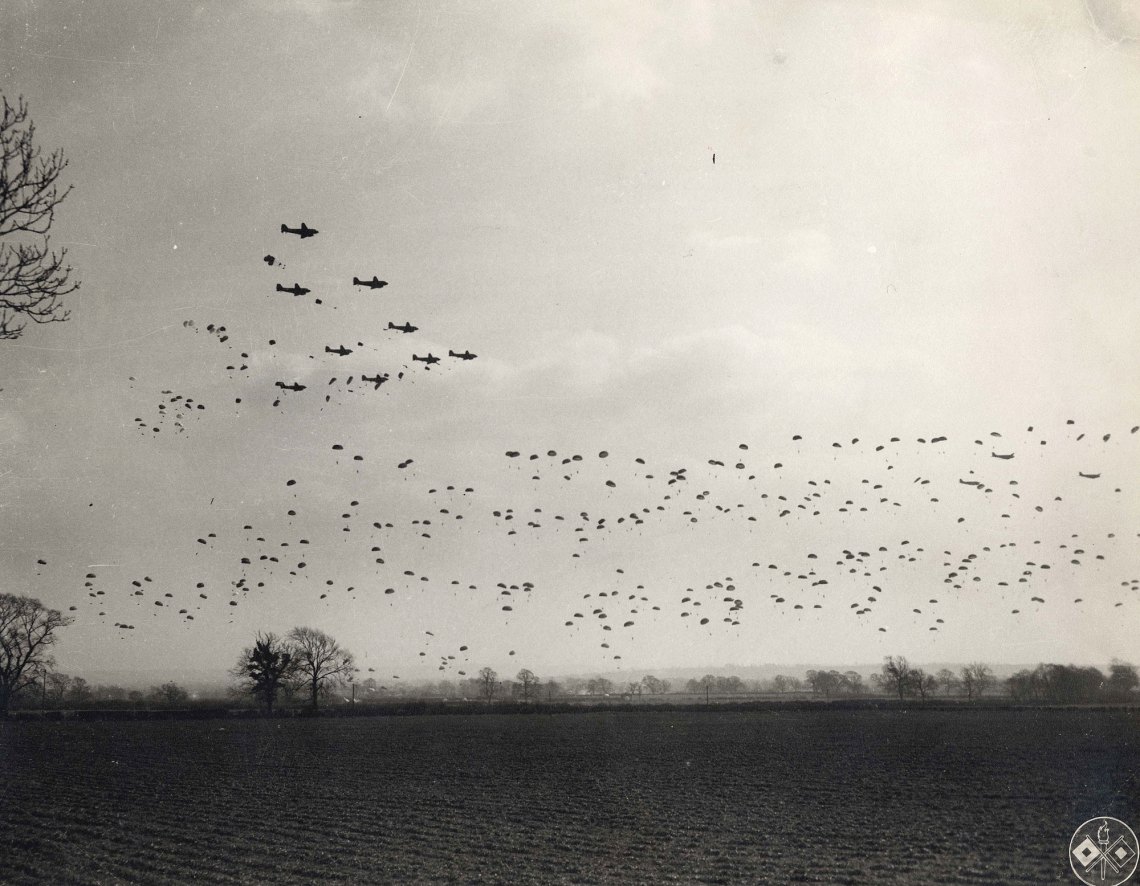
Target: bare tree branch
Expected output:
[33,277]
[27,631]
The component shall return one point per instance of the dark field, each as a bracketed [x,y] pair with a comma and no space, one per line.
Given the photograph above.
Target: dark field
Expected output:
[816,796]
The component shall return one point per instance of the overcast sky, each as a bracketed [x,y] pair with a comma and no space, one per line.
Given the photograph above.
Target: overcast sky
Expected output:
[921,222]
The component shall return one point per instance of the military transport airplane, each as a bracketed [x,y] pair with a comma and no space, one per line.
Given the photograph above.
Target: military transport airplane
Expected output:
[407,327]
[302,232]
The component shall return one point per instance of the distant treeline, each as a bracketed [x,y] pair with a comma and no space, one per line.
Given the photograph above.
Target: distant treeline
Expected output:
[1045,684]
[1071,684]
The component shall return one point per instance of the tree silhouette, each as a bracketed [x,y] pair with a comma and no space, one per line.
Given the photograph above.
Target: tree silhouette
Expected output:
[320,661]
[528,681]
[976,679]
[488,682]
[27,633]
[264,668]
[895,676]
[33,277]
[169,695]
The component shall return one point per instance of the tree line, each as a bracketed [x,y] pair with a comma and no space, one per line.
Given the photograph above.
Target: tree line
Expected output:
[306,665]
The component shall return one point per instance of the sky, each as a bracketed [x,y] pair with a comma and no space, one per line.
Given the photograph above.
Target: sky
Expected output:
[736,247]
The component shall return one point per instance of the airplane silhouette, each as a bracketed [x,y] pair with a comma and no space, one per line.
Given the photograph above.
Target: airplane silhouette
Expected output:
[374,283]
[342,350]
[295,289]
[429,359]
[466,355]
[293,387]
[302,232]
[407,327]
[376,379]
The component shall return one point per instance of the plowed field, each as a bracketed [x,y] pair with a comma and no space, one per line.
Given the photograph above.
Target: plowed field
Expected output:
[876,797]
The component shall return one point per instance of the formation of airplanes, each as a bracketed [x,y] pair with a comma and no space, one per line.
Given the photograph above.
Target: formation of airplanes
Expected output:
[296,290]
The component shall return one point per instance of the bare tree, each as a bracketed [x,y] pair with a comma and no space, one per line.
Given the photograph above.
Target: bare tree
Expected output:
[265,668]
[33,277]
[976,679]
[949,681]
[488,682]
[55,687]
[824,682]
[321,662]
[922,683]
[895,676]
[528,682]
[169,695]
[27,633]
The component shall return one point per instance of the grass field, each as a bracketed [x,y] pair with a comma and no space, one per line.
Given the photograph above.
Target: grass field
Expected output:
[817,796]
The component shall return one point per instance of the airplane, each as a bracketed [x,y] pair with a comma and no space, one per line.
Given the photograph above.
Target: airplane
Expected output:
[466,355]
[376,379]
[342,350]
[293,387]
[295,289]
[302,232]
[407,327]
[429,359]
[374,283]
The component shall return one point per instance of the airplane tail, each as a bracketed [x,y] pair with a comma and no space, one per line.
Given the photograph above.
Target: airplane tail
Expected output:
[451,353]
[284,229]
[280,288]
[356,281]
